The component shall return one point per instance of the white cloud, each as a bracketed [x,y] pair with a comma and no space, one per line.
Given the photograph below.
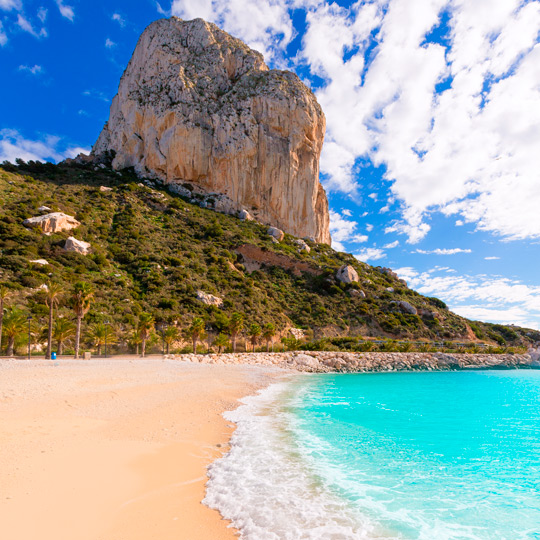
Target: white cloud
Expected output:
[491,298]
[50,147]
[65,11]
[392,245]
[119,19]
[346,212]
[439,251]
[470,150]
[265,25]
[491,258]
[370,254]
[42,14]
[8,5]
[344,230]
[3,36]
[109,43]
[26,25]
[34,70]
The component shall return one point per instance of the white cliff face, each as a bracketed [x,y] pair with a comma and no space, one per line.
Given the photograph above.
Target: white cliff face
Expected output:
[198,106]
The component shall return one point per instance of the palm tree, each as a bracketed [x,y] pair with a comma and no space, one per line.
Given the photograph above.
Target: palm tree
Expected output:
[221,342]
[254,332]
[145,327]
[235,327]
[170,336]
[196,332]
[81,300]
[4,293]
[269,331]
[100,334]
[53,293]
[135,339]
[14,326]
[63,330]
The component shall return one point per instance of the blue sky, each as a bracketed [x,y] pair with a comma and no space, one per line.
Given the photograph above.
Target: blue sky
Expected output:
[431,159]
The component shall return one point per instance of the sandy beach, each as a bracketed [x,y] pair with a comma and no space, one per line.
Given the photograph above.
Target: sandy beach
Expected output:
[114,449]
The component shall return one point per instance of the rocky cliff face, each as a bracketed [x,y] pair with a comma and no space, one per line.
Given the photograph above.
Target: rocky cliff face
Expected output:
[198,106]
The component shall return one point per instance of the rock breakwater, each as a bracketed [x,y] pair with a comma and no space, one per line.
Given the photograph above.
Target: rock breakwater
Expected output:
[346,362]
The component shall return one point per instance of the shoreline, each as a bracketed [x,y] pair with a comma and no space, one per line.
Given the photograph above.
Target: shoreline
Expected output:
[113,449]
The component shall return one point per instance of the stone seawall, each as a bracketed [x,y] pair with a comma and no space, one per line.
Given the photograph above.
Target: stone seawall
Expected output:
[347,362]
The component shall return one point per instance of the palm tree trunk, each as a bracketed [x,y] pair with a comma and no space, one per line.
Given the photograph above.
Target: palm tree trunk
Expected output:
[195,346]
[10,346]
[78,337]
[60,346]
[99,349]
[143,347]
[233,343]
[137,348]
[268,346]
[167,348]
[49,335]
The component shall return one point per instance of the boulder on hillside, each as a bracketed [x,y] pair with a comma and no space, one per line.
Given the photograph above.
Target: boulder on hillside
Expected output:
[52,223]
[302,245]
[77,246]
[44,209]
[406,307]
[276,233]
[209,299]
[244,215]
[42,262]
[357,293]
[104,189]
[297,333]
[347,274]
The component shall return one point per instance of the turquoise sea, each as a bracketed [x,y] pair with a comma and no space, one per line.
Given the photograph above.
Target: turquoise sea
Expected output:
[423,456]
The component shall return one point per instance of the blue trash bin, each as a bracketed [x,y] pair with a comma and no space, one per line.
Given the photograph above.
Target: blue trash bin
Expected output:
[53,356]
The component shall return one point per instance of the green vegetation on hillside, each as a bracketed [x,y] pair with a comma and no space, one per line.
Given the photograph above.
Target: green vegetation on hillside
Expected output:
[152,251]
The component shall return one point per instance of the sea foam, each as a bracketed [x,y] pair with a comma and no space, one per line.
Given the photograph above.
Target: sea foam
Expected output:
[263,486]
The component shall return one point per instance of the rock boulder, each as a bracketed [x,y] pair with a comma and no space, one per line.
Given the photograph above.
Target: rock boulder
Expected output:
[52,223]
[347,274]
[77,246]
[209,299]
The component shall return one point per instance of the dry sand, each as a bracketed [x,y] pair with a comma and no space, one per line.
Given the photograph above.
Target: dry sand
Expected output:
[115,449]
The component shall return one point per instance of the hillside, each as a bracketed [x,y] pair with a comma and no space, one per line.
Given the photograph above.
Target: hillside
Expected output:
[153,250]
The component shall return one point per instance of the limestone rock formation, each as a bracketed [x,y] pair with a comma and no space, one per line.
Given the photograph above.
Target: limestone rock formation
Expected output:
[276,233]
[197,106]
[52,223]
[347,274]
[209,299]
[77,246]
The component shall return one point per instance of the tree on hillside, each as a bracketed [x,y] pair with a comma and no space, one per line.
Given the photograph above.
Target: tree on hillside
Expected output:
[145,328]
[254,332]
[63,330]
[135,339]
[81,300]
[221,342]
[196,332]
[171,335]
[53,293]
[4,293]
[236,325]
[14,326]
[268,333]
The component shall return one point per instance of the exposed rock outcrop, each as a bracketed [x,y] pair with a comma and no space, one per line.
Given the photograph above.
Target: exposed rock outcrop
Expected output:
[52,223]
[77,246]
[347,274]
[197,106]
[209,299]
[276,233]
